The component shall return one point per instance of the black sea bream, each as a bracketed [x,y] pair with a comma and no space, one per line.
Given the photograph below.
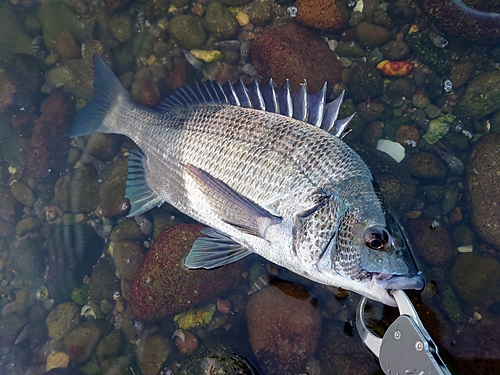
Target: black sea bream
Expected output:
[264,168]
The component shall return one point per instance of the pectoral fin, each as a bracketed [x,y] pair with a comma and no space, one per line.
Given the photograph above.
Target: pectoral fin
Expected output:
[214,251]
[231,207]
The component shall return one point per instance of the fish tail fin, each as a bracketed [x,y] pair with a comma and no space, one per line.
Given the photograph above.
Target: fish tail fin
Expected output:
[98,115]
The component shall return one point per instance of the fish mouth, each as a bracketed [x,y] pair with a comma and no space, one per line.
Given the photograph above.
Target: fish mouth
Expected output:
[385,282]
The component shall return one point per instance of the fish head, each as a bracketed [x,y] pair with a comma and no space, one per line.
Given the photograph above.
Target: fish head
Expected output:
[372,253]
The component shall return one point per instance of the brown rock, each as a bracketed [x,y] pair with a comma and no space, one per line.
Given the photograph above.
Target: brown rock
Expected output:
[284,326]
[48,145]
[483,181]
[11,208]
[433,244]
[276,54]
[330,15]
[67,46]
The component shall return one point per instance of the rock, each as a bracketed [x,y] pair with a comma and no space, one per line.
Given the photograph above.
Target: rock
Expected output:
[127,230]
[366,82]
[56,16]
[78,191]
[128,257]
[62,319]
[349,49]
[22,193]
[393,179]
[81,343]
[57,360]
[110,345]
[112,189]
[260,13]
[220,21]
[19,41]
[234,3]
[187,30]
[483,195]
[122,27]
[481,96]
[26,225]
[460,73]
[425,165]
[395,50]
[73,251]
[25,259]
[474,277]
[186,342]
[324,15]
[369,112]
[152,353]
[432,56]
[407,136]
[103,282]
[399,88]
[76,76]
[284,325]
[113,5]
[10,326]
[275,55]
[11,208]
[373,132]
[370,35]
[44,156]
[432,244]
[164,287]
[103,146]
[67,45]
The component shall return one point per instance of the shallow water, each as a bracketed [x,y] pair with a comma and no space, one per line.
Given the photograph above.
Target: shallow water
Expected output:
[70,265]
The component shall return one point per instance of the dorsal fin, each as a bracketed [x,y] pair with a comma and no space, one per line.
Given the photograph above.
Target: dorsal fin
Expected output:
[310,108]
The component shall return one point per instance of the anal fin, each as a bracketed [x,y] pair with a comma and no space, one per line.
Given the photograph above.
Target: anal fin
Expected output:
[142,197]
[214,251]
[231,207]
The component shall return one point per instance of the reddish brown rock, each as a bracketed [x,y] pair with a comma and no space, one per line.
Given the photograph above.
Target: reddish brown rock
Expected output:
[67,46]
[330,15]
[113,5]
[483,181]
[293,52]
[48,145]
[432,243]
[284,326]
[163,286]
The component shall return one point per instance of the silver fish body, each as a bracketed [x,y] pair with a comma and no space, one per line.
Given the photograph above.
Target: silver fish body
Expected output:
[265,182]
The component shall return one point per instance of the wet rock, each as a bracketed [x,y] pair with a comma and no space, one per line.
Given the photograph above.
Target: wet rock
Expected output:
[460,73]
[81,343]
[395,50]
[153,351]
[112,190]
[399,88]
[18,41]
[217,358]
[234,3]
[432,56]
[366,82]
[324,15]
[22,193]
[349,49]
[10,326]
[275,55]
[370,35]
[56,16]
[284,325]
[122,27]
[76,76]
[26,225]
[369,112]
[25,258]
[110,345]
[103,282]
[113,5]
[373,132]
[67,45]
[407,136]
[187,30]
[73,250]
[432,243]
[260,13]
[44,156]
[78,191]
[474,277]
[425,165]
[220,21]
[127,230]
[186,342]
[483,195]
[164,287]
[103,146]
[64,318]
[393,179]
[128,257]
[11,208]
[481,96]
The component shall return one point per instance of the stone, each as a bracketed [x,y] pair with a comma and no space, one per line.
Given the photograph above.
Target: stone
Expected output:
[11,208]
[22,193]
[57,360]
[112,189]
[26,225]
[425,165]
[78,191]
[18,41]
[284,326]
[220,21]
[67,46]
[110,345]
[128,257]
[62,319]
[275,55]
[399,88]
[432,243]
[81,342]
[395,50]
[103,146]
[370,35]
[103,282]
[323,15]
[260,13]
[481,96]
[460,73]
[474,277]
[122,27]
[25,258]
[483,195]
[10,326]
[75,76]
[187,30]
[164,287]
[152,353]
[127,230]
[366,82]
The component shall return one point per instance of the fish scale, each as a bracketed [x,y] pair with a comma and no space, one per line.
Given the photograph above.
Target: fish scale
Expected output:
[267,171]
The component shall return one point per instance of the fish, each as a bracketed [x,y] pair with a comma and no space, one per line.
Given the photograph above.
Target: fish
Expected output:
[266,170]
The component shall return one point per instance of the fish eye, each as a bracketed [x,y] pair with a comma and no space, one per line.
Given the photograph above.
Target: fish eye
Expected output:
[376,238]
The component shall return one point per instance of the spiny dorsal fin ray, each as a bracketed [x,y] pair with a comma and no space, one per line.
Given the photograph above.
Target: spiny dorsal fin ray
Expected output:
[310,108]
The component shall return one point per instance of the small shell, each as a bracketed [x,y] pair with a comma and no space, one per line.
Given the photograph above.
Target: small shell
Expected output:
[395,68]
[87,311]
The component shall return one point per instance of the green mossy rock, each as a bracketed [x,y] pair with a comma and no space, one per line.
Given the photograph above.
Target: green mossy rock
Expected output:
[187,30]
[220,21]
[481,97]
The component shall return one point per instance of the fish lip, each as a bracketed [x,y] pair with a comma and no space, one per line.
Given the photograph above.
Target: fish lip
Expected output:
[395,282]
